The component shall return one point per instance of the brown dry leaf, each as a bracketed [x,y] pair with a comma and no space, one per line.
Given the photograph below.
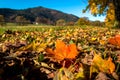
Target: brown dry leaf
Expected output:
[88,58]
[51,75]
[116,77]
[118,56]
[102,76]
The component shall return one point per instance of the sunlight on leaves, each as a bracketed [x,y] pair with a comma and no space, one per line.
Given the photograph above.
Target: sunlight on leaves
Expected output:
[100,64]
[34,46]
[63,51]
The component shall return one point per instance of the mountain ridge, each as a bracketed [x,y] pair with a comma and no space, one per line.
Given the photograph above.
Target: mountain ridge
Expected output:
[32,13]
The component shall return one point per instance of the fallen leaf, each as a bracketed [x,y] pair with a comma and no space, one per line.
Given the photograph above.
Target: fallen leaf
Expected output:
[63,51]
[115,40]
[102,65]
[80,75]
[63,74]
[102,76]
[34,46]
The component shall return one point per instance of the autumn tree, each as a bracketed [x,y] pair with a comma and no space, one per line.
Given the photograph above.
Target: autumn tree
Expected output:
[20,20]
[40,20]
[2,20]
[60,22]
[83,21]
[97,23]
[71,23]
[12,18]
[110,8]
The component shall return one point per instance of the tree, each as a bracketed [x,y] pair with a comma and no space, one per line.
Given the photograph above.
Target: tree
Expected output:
[60,22]
[83,21]
[97,23]
[12,18]
[71,23]
[20,20]
[38,20]
[2,20]
[110,8]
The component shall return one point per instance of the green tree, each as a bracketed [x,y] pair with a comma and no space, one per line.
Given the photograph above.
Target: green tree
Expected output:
[110,8]
[2,20]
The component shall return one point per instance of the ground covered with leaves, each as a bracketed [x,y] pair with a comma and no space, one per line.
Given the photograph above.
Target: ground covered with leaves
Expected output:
[60,54]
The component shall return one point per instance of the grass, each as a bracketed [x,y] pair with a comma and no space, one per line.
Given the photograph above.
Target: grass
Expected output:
[22,28]
[14,27]
[30,28]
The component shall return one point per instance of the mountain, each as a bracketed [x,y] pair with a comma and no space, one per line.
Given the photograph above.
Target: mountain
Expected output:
[32,13]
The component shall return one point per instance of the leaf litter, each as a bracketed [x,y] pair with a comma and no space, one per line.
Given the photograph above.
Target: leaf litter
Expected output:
[68,53]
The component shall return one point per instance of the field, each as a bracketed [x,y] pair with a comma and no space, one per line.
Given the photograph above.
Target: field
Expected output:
[57,53]
[23,28]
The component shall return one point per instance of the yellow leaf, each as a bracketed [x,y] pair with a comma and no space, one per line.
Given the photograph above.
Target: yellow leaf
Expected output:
[40,47]
[102,42]
[93,39]
[99,64]
[34,47]
[63,74]
[24,48]
[80,74]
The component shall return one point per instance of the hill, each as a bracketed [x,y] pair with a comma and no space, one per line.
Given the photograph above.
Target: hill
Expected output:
[33,13]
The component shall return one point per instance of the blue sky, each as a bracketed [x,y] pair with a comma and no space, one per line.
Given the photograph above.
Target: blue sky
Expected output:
[68,6]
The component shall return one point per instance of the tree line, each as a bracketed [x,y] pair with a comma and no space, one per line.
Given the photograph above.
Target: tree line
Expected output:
[21,21]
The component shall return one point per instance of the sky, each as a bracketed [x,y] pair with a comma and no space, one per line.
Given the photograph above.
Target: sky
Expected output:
[74,7]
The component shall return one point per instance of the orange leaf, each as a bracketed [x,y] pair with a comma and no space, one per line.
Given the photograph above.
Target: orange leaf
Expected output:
[63,51]
[112,41]
[49,51]
[115,40]
[111,65]
[72,51]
